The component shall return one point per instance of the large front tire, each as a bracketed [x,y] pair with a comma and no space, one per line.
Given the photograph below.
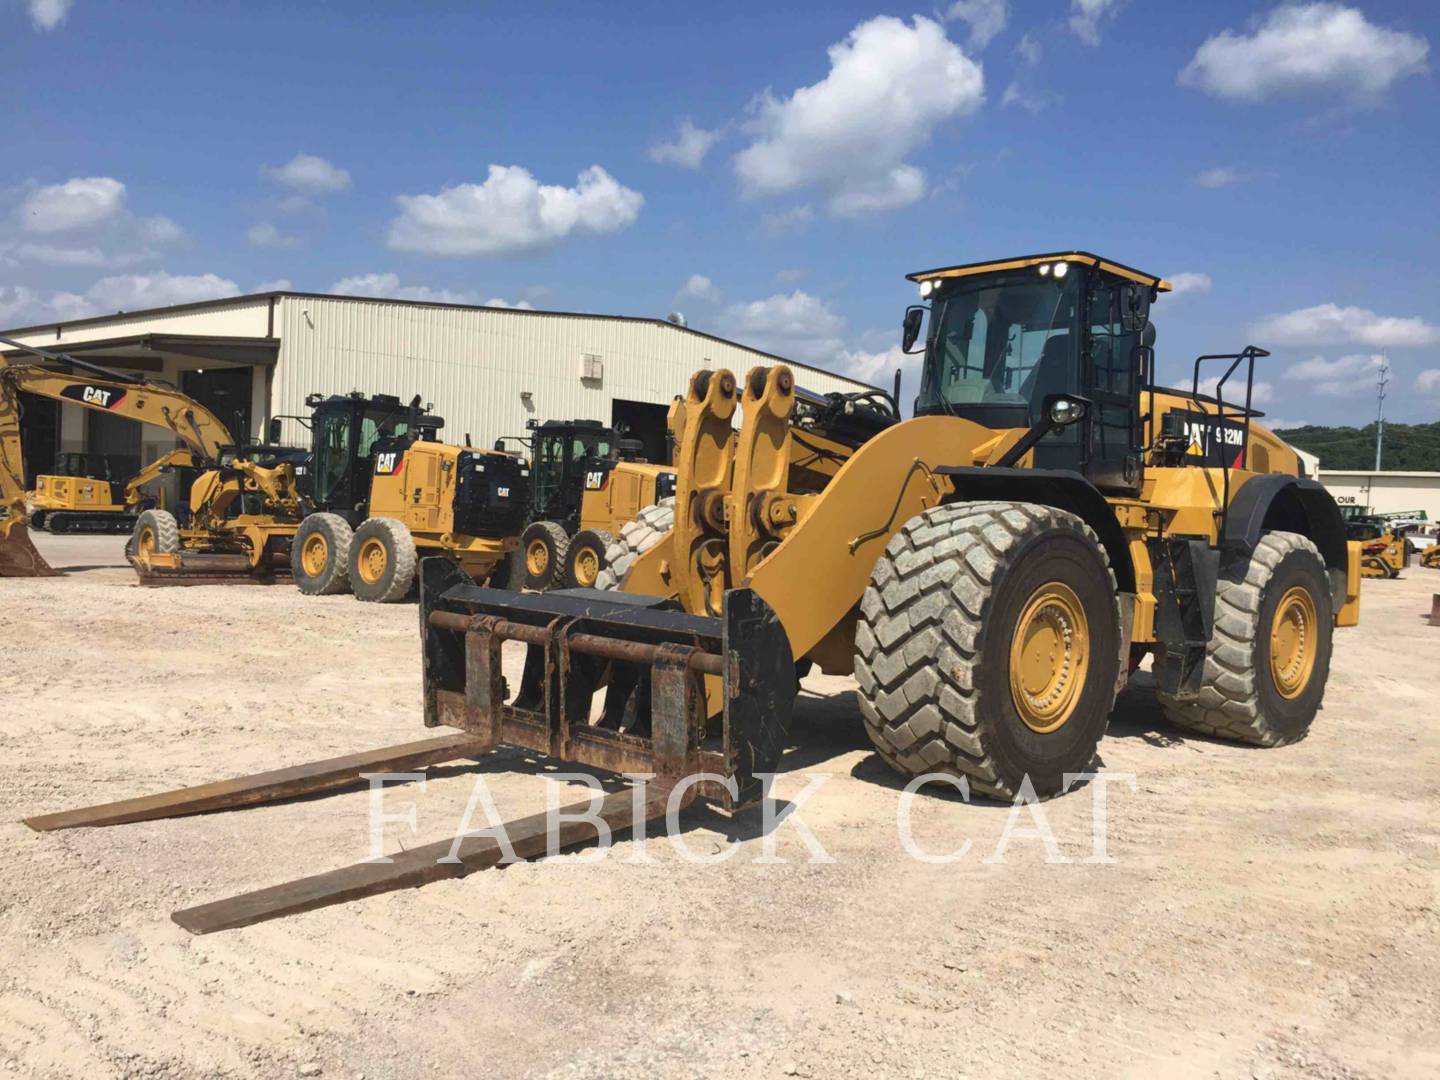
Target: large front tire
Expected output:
[543,547]
[320,555]
[156,533]
[988,646]
[1269,656]
[382,561]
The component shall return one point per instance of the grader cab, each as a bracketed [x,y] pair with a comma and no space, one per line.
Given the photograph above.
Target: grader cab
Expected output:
[991,570]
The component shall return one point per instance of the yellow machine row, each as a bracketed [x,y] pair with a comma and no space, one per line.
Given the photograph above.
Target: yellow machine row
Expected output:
[992,570]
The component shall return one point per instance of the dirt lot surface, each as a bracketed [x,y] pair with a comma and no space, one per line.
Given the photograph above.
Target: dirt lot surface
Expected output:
[1268,913]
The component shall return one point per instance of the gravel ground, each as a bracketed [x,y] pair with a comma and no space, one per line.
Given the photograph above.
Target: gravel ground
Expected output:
[1268,913]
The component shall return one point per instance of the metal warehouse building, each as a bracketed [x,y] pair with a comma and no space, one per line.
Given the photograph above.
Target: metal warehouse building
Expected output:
[486,370]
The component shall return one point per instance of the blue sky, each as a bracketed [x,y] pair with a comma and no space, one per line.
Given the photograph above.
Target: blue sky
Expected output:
[770,170]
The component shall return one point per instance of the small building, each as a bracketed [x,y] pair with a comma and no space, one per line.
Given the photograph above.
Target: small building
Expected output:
[1385,492]
[486,370]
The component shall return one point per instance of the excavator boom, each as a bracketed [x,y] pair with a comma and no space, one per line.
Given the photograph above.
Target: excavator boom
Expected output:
[102,390]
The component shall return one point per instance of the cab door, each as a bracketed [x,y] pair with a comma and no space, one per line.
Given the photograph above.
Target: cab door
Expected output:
[1111,380]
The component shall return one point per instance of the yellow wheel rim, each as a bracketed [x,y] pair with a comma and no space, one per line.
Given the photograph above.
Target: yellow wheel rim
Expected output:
[537,557]
[372,561]
[314,555]
[587,566]
[146,544]
[1049,657]
[1294,636]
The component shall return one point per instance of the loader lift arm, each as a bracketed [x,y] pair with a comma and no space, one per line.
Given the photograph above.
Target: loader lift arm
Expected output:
[117,393]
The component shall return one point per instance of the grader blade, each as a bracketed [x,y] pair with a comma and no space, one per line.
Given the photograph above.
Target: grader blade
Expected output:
[204,568]
[18,555]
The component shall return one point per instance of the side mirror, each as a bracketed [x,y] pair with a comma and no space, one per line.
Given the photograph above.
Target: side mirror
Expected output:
[273,431]
[914,319]
[1134,307]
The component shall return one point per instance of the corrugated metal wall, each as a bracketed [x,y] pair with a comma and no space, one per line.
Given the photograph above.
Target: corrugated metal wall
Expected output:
[474,364]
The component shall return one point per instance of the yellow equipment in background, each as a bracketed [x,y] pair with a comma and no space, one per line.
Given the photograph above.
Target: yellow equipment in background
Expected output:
[1385,550]
[992,570]
[102,390]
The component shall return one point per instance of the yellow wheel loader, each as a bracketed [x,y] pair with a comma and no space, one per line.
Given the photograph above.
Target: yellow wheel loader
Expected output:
[1430,557]
[991,570]
[588,483]
[100,389]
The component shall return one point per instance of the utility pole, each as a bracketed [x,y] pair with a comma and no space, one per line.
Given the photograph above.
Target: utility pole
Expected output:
[1381,379]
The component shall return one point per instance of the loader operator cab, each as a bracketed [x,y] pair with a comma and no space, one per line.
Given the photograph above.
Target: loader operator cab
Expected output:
[347,431]
[1007,342]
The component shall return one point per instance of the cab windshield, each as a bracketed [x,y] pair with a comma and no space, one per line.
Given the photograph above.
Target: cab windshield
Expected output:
[1000,340]
[333,452]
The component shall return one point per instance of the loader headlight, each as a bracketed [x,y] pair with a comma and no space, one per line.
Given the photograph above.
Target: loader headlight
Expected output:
[1044,269]
[1061,269]
[926,288]
[1065,411]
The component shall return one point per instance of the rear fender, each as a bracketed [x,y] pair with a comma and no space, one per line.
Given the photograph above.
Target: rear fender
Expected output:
[1289,503]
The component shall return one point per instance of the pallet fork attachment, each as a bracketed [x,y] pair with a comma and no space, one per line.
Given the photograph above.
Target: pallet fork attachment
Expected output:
[656,668]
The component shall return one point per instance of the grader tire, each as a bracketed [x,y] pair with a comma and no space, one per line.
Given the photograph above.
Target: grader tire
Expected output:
[1269,656]
[543,547]
[382,561]
[156,532]
[988,646]
[320,555]
[585,558]
[636,538]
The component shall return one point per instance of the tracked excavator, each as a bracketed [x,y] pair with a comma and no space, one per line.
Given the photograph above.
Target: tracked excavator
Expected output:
[992,570]
[204,442]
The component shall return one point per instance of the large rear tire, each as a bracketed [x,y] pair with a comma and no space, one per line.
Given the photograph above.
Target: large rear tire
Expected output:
[636,537]
[156,533]
[1269,657]
[543,547]
[320,555]
[382,561]
[585,558]
[988,646]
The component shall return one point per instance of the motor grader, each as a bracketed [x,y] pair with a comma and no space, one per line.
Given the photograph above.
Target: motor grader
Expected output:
[205,443]
[588,484]
[380,491]
[991,570]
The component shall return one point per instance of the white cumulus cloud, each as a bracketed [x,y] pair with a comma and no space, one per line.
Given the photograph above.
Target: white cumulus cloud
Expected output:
[512,213]
[265,234]
[1305,47]
[1086,16]
[1221,176]
[794,325]
[388,287]
[878,368]
[75,204]
[48,14]
[1330,324]
[700,287]
[1189,282]
[689,147]
[986,18]
[1428,381]
[1337,378]
[132,292]
[889,87]
[309,174]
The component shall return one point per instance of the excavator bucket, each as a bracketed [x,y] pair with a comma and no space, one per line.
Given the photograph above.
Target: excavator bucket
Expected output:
[613,680]
[18,555]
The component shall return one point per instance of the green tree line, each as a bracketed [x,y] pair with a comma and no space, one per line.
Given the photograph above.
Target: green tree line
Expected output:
[1412,447]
